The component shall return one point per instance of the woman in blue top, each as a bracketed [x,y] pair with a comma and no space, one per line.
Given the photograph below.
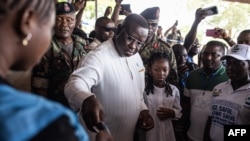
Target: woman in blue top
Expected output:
[26,30]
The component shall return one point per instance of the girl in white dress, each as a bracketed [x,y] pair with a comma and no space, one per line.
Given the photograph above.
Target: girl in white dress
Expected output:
[162,98]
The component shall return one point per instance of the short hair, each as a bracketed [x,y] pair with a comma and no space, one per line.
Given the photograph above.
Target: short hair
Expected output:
[222,46]
[101,20]
[177,48]
[133,19]
[245,31]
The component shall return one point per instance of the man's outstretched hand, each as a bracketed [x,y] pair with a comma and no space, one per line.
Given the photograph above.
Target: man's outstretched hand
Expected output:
[145,121]
[92,112]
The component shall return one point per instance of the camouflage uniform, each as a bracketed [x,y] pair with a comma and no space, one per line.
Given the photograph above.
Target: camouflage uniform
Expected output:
[55,68]
[157,44]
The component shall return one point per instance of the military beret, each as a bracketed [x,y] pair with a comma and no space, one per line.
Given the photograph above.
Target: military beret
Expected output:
[64,8]
[151,13]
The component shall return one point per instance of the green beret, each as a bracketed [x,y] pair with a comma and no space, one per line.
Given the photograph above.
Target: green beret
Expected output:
[64,8]
[151,13]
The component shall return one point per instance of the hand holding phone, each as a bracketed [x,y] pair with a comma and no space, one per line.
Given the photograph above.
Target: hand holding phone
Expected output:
[209,11]
[176,23]
[125,8]
[212,33]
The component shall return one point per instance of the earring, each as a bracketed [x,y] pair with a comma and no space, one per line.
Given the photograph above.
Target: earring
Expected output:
[26,39]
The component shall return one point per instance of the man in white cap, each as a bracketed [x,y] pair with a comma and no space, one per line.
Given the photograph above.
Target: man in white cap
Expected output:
[231,102]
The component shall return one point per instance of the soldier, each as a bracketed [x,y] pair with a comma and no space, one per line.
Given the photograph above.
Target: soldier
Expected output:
[51,74]
[155,44]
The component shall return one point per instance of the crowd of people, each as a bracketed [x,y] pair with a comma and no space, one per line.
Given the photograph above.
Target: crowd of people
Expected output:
[127,82]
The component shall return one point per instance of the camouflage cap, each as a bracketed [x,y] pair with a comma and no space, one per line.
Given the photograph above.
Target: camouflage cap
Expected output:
[64,8]
[151,13]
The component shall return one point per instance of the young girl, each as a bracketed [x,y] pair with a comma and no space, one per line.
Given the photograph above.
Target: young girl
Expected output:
[162,98]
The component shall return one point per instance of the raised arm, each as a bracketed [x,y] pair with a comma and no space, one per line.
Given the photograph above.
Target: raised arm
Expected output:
[225,36]
[79,6]
[191,35]
[115,14]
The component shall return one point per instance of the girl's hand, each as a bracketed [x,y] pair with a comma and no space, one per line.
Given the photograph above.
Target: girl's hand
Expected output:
[165,113]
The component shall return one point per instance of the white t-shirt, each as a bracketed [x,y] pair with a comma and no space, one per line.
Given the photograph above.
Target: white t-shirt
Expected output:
[231,107]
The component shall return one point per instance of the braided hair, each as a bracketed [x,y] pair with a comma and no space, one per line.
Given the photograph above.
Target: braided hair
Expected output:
[149,79]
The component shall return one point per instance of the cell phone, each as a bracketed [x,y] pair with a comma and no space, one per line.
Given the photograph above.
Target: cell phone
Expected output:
[213,10]
[101,126]
[212,33]
[124,7]
[176,23]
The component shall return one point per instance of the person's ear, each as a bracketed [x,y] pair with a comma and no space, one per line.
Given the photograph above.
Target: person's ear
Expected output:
[27,22]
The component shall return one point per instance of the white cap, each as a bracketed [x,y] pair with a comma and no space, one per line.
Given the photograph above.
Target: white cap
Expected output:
[239,52]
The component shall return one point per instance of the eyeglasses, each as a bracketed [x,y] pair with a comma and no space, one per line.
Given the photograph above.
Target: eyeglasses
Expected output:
[153,24]
[132,39]
[108,29]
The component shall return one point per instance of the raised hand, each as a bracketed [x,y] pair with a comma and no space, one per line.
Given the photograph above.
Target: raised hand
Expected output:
[79,4]
[199,15]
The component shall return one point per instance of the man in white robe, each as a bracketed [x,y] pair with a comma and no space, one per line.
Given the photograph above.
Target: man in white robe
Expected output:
[110,82]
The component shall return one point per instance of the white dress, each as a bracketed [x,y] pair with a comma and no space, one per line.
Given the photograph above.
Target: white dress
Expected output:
[117,82]
[163,130]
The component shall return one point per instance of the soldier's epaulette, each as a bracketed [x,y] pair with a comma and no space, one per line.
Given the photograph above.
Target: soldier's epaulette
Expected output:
[163,42]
